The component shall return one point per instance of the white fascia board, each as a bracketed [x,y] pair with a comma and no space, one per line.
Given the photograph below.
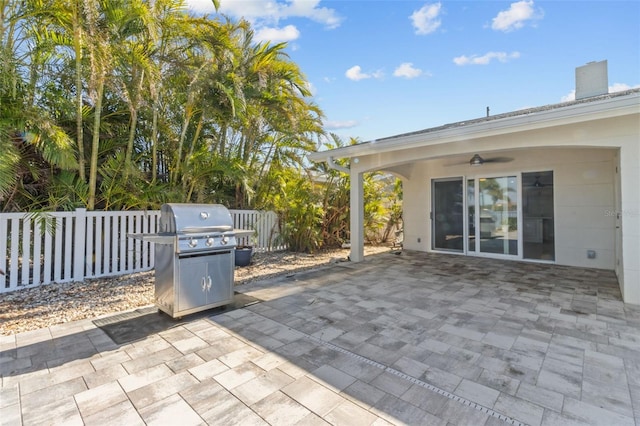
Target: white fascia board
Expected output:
[539,119]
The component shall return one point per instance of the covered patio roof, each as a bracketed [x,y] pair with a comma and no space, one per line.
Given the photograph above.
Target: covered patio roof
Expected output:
[609,122]
[597,107]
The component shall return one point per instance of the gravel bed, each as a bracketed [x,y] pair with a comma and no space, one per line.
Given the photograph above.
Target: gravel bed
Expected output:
[47,305]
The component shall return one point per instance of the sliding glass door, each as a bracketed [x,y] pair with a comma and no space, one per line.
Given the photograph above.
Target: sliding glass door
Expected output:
[497,205]
[487,211]
[538,216]
[495,215]
[447,214]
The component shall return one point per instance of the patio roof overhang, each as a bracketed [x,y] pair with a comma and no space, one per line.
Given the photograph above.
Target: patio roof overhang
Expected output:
[609,121]
[601,107]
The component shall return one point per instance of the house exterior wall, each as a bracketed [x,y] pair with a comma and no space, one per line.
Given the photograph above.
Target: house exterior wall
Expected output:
[596,164]
[584,185]
[629,211]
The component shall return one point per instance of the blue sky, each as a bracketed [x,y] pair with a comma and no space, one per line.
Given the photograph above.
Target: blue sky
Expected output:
[379,68]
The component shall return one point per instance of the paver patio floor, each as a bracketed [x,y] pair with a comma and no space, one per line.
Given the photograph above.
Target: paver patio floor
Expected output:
[415,338]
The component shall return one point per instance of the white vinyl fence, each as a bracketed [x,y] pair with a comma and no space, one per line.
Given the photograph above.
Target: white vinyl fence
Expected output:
[61,247]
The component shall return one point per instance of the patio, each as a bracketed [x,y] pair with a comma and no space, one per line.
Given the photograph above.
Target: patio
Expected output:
[413,338]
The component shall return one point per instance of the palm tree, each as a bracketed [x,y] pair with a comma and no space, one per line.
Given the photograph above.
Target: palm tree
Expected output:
[31,142]
[207,88]
[165,25]
[273,119]
[109,23]
[154,89]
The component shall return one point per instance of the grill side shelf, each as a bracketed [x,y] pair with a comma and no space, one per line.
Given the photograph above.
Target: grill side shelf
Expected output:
[168,237]
[160,238]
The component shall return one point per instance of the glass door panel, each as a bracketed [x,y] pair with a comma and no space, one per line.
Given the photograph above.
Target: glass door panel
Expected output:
[498,211]
[471,213]
[447,214]
[537,216]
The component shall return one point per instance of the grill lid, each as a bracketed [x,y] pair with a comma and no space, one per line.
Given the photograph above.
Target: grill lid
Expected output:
[191,218]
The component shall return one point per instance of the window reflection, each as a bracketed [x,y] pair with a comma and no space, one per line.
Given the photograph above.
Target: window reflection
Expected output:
[471,204]
[448,215]
[498,210]
[537,216]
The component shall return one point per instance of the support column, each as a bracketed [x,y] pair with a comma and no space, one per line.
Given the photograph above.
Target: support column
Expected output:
[357,217]
[630,221]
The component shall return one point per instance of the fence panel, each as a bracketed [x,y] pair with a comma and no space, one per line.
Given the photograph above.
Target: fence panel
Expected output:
[61,247]
[265,223]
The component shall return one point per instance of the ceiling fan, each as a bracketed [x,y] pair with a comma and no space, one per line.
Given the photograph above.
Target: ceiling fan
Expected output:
[477,160]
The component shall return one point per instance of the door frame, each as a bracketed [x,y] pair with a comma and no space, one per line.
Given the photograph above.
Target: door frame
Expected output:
[476,178]
[433,212]
[520,220]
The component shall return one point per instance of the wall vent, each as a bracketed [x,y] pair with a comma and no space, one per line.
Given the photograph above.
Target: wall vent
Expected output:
[592,80]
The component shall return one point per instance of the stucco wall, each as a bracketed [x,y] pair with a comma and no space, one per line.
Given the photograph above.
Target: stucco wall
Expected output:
[629,210]
[596,162]
[584,184]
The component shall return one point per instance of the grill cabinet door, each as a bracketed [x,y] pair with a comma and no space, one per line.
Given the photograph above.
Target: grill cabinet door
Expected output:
[192,286]
[220,272]
[205,279]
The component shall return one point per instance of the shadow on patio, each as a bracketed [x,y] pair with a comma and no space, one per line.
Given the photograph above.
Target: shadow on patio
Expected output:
[413,338]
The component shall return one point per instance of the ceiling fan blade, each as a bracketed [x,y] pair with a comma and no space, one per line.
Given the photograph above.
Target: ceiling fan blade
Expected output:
[481,160]
[498,160]
[460,163]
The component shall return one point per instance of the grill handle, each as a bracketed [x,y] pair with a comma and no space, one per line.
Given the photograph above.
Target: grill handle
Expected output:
[209,282]
[204,284]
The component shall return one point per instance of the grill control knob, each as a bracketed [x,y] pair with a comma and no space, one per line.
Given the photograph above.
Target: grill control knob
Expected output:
[224,240]
[193,243]
[210,241]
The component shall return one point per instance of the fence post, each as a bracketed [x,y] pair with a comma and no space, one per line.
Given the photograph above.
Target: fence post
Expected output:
[79,242]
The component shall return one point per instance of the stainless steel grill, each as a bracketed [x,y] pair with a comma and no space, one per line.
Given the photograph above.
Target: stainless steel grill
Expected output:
[194,257]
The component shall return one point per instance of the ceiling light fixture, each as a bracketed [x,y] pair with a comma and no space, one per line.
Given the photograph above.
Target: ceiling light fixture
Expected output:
[476,160]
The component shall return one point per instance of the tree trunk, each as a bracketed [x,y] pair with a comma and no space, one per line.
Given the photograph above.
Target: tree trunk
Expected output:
[95,144]
[77,46]
[187,118]
[154,144]
[191,148]
[134,99]
[132,135]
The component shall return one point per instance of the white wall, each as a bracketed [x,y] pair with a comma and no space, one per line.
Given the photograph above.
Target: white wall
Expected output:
[579,149]
[629,210]
[583,198]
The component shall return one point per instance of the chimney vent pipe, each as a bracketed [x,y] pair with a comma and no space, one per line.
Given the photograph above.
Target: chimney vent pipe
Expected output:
[592,80]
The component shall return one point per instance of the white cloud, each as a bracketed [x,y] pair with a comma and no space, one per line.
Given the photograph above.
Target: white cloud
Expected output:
[426,19]
[486,58]
[271,11]
[355,73]
[309,9]
[311,88]
[615,87]
[277,35]
[201,6]
[336,125]
[377,74]
[516,16]
[571,96]
[621,87]
[407,70]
